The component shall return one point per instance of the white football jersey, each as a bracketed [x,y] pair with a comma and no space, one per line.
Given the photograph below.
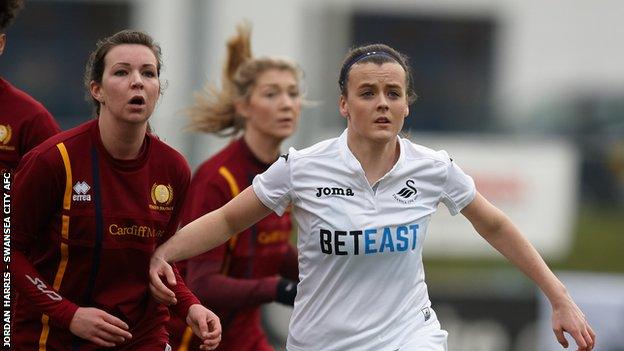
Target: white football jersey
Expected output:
[361,278]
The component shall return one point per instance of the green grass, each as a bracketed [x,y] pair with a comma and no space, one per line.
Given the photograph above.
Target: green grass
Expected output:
[598,246]
[599,241]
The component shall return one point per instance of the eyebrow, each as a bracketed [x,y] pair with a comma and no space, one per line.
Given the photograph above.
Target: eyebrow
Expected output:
[371,85]
[277,86]
[395,86]
[126,64]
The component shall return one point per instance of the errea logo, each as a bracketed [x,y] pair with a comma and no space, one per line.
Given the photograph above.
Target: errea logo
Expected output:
[81,188]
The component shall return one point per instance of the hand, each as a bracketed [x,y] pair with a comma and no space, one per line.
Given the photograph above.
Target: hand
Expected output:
[160,268]
[99,327]
[567,317]
[205,325]
[286,291]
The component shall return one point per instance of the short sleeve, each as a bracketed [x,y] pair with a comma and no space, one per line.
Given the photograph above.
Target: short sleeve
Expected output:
[459,188]
[274,186]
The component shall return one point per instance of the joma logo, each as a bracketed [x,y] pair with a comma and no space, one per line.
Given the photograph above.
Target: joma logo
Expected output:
[334,191]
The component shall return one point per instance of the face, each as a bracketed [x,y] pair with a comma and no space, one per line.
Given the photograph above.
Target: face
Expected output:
[376,101]
[130,85]
[273,106]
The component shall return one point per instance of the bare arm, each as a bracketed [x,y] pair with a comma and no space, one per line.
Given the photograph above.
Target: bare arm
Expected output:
[498,230]
[201,235]
[214,228]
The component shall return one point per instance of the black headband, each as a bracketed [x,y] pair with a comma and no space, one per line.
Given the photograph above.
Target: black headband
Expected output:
[354,60]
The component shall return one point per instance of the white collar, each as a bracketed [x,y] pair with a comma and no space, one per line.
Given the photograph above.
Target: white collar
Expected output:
[354,165]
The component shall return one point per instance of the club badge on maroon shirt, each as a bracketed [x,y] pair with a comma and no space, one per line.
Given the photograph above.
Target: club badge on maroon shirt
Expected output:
[162,197]
[5,137]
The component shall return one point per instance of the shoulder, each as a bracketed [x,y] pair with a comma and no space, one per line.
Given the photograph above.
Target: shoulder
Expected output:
[228,157]
[50,155]
[323,149]
[415,151]
[24,104]
[72,137]
[167,156]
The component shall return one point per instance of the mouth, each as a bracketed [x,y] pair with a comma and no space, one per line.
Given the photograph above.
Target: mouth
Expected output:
[285,120]
[382,120]
[137,101]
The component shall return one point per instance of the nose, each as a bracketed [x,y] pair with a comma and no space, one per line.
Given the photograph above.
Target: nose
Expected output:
[382,103]
[137,81]
[287,102]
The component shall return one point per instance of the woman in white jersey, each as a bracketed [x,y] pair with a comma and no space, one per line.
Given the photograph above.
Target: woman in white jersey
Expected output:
[362,203]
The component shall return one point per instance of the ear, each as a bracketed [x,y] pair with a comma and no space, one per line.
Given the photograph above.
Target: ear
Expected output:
[96,91]
[2,42]
[242,108]
[343,107]
[406,112]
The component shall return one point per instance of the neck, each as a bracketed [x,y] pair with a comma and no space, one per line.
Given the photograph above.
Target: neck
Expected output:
[122,141]
[265,148]
[376,158]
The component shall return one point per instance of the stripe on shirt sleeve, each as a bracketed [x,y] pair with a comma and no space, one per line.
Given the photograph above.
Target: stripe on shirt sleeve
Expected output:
[235,190]
[60,272]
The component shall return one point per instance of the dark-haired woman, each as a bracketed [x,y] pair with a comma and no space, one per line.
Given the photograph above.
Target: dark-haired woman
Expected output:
[90,206]
[362,203]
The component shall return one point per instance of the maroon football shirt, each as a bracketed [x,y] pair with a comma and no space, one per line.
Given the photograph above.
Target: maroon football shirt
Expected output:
[237,277]
[24,124]
[85,227]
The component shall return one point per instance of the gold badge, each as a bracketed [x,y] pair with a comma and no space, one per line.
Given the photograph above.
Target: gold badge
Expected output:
[162,196]
[5,134]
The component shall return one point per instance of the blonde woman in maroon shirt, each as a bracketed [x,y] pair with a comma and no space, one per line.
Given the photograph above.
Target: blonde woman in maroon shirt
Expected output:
[260,105]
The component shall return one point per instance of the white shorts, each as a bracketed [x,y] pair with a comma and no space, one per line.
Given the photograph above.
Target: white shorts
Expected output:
[430,337]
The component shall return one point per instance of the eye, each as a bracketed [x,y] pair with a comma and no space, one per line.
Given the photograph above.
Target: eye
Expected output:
[270,94]
[149,74]
[367,94]
[120,72]
[394,94]
[294,93]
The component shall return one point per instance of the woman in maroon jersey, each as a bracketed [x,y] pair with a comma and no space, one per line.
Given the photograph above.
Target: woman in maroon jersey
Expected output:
[90,206]
[260,99]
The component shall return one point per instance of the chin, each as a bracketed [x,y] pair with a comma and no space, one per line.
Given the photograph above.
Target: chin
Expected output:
[137,119]
[283,134]
[382,135]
